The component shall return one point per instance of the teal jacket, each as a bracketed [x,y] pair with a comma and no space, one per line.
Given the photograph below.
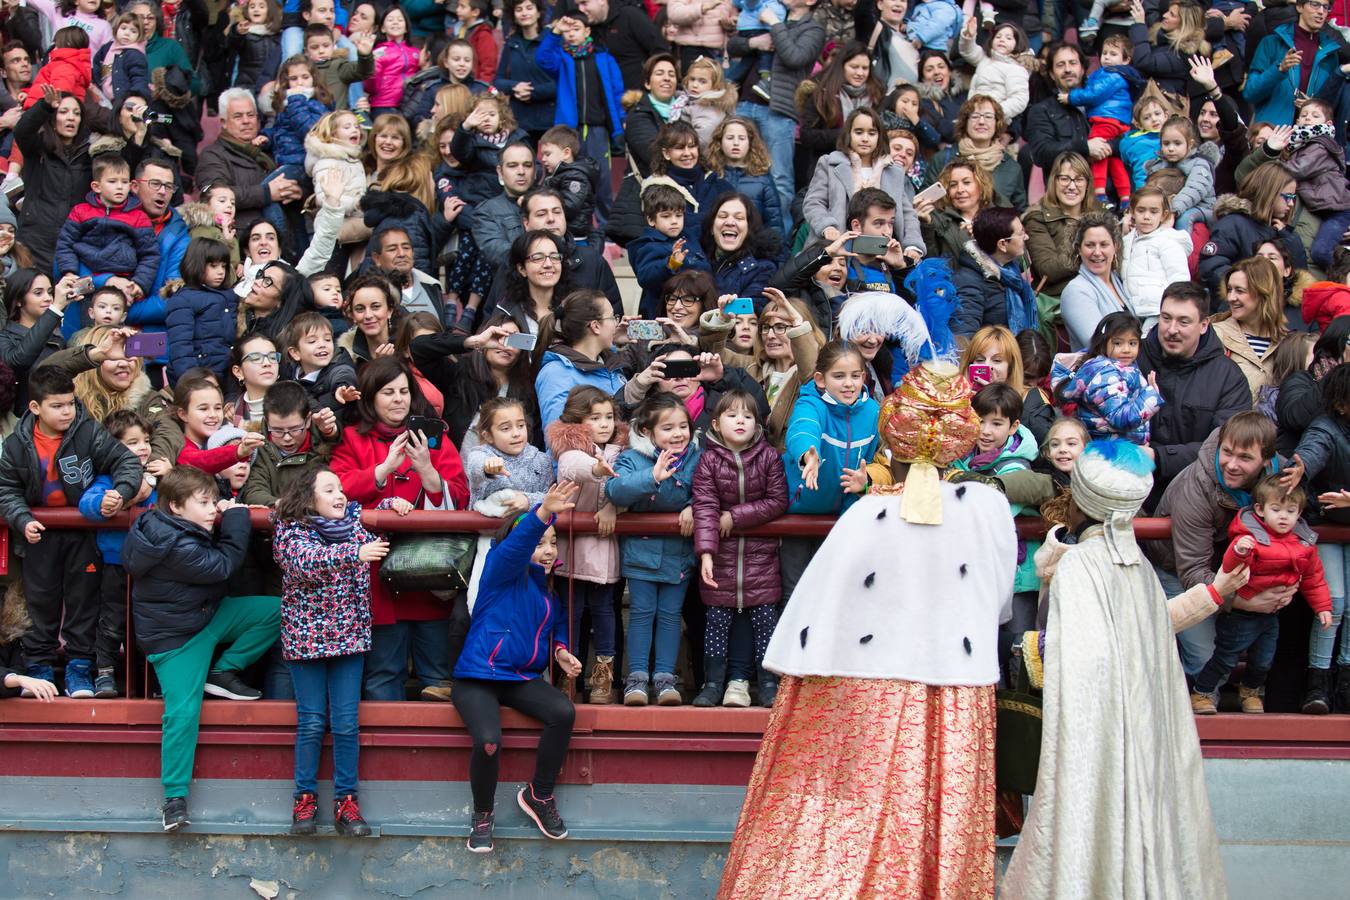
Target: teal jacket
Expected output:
[1271,91]
[845,437]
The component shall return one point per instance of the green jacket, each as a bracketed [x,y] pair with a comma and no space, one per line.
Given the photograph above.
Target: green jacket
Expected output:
[272,473]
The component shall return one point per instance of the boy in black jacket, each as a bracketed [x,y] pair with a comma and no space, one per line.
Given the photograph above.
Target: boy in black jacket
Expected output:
[313,360]
[178,601]
[53,455]
[577,180]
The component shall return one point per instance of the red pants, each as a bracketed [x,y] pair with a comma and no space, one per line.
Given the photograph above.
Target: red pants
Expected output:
[1109,129]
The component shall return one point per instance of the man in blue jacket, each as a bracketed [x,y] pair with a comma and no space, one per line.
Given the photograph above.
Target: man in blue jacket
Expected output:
[1299,58]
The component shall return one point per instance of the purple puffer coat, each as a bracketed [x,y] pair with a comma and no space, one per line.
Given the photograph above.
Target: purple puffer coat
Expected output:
[752,486]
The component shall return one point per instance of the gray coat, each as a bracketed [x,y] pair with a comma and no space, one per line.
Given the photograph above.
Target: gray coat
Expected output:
[1198,191]
[796,47]
[1087,300]
[496,224]
[826,201]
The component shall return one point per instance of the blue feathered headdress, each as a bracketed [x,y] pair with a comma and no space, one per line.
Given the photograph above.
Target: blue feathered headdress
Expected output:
[931,284]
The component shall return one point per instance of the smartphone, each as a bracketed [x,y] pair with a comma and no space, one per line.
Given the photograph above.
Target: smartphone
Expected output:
[933,193]
[682,368]
[868,245]
[83,287]
[741,306]
[434,429]
[152,344]
[521,340]
[646,330]
[979,375]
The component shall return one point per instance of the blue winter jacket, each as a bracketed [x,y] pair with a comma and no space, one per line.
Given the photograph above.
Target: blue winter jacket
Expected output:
[760,189]
[517,64]
[1137,149]
[1106,94]
[554,60]
[292,124]
[845,437]
[109,241]
[201,323]
[562,369]
[130,72]
[1271,91]
[668,558]
[517,621]
[744,276]
[109,540]
[650,255]
[936,23]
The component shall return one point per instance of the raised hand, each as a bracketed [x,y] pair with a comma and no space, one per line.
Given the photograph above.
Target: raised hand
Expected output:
[561,496]
[661,469]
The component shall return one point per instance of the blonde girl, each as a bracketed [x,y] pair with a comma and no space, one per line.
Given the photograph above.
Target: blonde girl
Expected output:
[334,144]
[711,99]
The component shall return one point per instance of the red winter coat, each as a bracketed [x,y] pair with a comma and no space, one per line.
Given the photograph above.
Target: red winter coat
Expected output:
[354,462]
[67,69]
[1279,559]
[752,486]
[1324,301]
[485,51]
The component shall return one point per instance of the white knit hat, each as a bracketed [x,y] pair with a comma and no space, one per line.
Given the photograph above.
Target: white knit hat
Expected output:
[1110,481]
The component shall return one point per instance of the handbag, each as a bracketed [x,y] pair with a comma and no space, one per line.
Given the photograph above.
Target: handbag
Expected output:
[439,563]
[1017,748]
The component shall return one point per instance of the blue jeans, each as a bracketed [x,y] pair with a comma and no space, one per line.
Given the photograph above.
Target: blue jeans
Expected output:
[780,133]
[1335,563]
[653,601]
[598,599]
[327,695]
[1236,631]
[1329,235]
[387,661]
[1196,644]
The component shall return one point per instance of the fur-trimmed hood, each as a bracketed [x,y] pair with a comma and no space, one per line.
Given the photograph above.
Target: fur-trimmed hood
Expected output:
[957,86]
[196,215]
[564,436]
[1231,203]
[322,150]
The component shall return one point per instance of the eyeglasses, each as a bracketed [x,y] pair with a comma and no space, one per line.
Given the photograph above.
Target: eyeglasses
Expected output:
[266,281]
[777,328]
[287,432]
[685,300]
[605,318]
[1324,7]
[982,117]
[1288,198]
[1070,179]
[158,186]
[537,258]
[258,357]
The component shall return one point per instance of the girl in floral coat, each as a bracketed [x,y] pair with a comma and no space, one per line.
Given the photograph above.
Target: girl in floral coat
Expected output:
[325,556]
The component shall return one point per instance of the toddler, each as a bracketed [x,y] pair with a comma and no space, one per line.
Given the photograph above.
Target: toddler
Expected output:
[1178,147]
[739,483]
[1317,161]
[664,247]
[1003,73]
[334,144]
[934,24]
[751,22]
[108,306]
[201,317]
[109,233]
[1140,147]
[710,98]
[301,100]
[587,440]
[489,126]
[121,65]
[252,43]
[68,69]
[327,290]
[326,372]
[655,474]
[1279,548]
[1107,392]
[1108,98]
[575,177]
[1154,254]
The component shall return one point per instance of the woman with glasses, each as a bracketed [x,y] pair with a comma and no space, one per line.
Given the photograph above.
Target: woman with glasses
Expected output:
[585,327]
[980,131]
[1050,223]
[255,363]
[538,274]
[274,297]
[1266,208]
[379,458]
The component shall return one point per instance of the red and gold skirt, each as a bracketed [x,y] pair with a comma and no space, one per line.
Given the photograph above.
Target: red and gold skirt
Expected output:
[869,788]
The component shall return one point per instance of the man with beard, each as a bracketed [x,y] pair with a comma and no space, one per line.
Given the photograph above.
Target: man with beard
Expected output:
[1052,127]
[392,256]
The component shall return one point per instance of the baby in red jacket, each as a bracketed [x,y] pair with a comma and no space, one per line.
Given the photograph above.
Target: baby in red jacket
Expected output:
[1280,549]
[68,68]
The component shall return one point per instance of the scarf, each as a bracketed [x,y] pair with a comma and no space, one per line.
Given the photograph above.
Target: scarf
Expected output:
[695,404]
[303,448]
[582,50]
[388,432]
[662,107]
[1237,495]
[979,462]
[1019,297]
[863,176]
[988,158]
[850,98]
[1306,134]
[336,531]
[260,159]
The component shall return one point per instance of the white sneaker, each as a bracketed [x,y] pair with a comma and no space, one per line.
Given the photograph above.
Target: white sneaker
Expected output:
[737,694]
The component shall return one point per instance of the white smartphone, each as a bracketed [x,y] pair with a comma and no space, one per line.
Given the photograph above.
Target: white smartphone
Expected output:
[933,193]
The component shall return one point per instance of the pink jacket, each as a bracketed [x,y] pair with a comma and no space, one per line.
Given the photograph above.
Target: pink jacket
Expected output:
[394,64]
[694,27]
[593,559]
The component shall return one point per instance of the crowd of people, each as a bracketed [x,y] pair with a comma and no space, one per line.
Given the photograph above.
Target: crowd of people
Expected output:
[387,283]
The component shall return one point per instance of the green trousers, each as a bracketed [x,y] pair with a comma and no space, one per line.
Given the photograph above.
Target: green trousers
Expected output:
[250,625]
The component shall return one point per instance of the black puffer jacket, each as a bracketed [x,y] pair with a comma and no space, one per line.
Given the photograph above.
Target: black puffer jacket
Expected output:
[984,301]
[178,574]
[1325,451]
[256,57]
[53,182]
[23,348]
[1199,393]
[1299,402]
[386,209]
[1051,129]
[1236,235]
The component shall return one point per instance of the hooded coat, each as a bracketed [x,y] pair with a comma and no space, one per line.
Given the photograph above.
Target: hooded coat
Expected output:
[587,557]
[561,370]
[395,63]
[752,486]
[1113,400]
[1108,93]
[1279,559]
[1005,79]
[1150,262]
[321,158]
[844,437]
[1324,301]
[663,558]
[1198,191]
[202,324]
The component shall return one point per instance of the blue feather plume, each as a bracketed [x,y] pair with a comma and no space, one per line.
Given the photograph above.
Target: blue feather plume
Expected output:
[1123,454]
[935,295]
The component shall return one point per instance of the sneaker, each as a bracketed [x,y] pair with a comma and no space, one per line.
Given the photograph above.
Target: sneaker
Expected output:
[79,683]
[1202,704]
[1088,30]
[105,685]
[347,817]
[480,838]
[768,688]
[305,815]
[738,693]
[543,813]
[229,686]
[438,692]
[175,813]
[40,673]
[1251,699]
[763,87]
[601,680]
[635,689]
[666,692]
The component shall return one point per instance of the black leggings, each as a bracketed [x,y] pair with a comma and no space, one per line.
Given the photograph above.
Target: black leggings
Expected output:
[480,703]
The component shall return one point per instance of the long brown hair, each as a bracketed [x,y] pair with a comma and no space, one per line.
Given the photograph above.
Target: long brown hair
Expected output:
[284,79]
[1266,287]
[757,161]
[1262,187]
[831,84]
